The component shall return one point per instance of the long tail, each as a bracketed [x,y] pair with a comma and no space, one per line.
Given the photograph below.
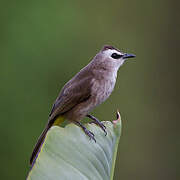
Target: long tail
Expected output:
[52,122]
[39,142]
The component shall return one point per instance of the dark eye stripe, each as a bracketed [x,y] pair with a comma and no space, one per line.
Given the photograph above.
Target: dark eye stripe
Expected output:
[116,56]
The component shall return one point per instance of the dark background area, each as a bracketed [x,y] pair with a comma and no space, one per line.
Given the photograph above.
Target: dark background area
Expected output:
[44,43]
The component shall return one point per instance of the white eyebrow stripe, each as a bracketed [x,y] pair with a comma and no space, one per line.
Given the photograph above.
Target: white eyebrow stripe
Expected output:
[109,52]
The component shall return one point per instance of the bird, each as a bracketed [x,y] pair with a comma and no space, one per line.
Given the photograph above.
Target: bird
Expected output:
[91,86]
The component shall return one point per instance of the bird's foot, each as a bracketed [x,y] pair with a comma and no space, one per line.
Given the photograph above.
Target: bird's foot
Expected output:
[90,134]
[98,123]
[86,131]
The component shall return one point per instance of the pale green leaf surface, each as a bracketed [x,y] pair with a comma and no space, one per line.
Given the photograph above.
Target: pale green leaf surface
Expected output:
[68,153]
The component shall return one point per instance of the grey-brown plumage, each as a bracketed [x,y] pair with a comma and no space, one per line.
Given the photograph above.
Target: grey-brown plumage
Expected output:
[90,87]
[87,89]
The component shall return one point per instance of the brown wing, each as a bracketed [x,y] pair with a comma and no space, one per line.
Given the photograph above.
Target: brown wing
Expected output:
[73,93]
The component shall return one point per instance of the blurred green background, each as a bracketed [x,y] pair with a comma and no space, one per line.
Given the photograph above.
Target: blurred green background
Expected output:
[44,43]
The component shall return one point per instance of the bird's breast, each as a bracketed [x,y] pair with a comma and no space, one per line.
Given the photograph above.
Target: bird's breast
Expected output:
[102,89]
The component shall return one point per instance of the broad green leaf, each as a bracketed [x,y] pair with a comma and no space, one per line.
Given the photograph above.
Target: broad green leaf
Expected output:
[68,153]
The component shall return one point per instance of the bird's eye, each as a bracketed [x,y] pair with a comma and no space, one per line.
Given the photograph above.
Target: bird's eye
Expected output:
[116,56]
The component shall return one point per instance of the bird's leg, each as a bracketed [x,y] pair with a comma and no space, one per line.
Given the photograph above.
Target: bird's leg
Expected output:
[86,131]
[97,122]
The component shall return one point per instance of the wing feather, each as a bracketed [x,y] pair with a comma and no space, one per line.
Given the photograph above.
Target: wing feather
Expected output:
[73,93]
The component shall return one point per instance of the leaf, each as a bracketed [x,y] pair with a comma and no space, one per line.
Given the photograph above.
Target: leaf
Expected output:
[67,153]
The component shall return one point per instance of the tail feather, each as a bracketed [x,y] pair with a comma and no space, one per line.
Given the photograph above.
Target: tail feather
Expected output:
[39,143]
[52,122]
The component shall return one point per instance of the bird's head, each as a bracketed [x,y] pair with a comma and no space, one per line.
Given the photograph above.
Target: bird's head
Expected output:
[112,56]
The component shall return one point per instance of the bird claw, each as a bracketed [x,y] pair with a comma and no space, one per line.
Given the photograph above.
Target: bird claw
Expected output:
[101,125]
[90,134]
[86,131]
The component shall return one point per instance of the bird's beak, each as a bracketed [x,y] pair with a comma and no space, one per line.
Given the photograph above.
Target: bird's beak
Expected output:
[125,56]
